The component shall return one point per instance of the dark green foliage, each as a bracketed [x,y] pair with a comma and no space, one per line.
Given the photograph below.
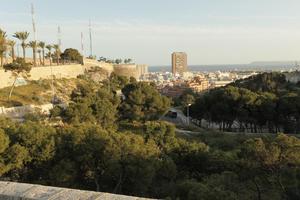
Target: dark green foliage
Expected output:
[18,66]
[115,82]
[72,55]
[143,102]
[262,103]
[92,105]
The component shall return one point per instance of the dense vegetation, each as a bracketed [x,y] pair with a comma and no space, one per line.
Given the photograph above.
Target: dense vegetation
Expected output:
[262,103]
[98,147]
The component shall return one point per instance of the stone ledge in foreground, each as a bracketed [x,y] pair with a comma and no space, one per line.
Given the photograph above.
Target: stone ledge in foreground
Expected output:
[23,191]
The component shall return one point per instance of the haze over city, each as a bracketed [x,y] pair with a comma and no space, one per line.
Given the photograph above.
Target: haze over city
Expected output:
[209,31]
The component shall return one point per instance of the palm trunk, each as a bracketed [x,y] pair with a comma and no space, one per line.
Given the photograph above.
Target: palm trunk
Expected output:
[23,47]
[13,53]
[43,57]
[12,88]
[57,59]
[1,61]
[34,56]
[40,57]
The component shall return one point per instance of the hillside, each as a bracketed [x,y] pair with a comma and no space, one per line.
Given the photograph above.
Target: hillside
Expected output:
[38,92]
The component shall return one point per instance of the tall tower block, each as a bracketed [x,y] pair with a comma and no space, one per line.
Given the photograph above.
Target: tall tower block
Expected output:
[179,63]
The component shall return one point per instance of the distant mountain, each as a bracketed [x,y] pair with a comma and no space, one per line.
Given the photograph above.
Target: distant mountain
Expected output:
[274,63]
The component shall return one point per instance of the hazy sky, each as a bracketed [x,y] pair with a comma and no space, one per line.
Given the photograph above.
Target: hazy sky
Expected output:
[210,31]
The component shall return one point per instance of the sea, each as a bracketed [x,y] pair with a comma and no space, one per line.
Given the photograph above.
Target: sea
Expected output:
[268,67]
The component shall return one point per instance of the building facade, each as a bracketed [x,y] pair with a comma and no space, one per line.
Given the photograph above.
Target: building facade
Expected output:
[179,63]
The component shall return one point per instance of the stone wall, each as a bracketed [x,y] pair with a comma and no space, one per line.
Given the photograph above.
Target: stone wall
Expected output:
[19,112]
[22,191]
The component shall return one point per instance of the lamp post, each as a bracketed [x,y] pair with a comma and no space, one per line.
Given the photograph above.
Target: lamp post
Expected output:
[188,114]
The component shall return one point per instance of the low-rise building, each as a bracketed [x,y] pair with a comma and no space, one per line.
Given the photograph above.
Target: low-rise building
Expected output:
[198,84]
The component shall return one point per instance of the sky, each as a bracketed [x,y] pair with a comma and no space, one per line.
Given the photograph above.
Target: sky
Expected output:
[148,31]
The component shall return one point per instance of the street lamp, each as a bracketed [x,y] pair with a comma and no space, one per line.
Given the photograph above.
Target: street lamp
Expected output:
[188,114]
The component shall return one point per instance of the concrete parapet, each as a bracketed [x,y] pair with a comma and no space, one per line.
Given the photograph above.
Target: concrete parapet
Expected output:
[22,191]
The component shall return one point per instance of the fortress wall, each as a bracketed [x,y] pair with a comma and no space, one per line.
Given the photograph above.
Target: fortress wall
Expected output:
[36,73]
[60,71]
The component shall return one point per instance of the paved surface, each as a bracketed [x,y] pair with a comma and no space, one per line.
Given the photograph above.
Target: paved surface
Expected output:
[21,191]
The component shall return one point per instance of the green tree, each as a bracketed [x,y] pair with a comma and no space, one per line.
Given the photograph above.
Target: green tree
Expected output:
[269,159]
[143,102]
[72,55]
[92,105]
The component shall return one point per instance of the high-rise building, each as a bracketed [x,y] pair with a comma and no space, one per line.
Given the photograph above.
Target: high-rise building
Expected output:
[179,63]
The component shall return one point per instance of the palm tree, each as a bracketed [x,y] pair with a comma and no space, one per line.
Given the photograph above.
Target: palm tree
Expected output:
[49,47]
[57,52]
[12,44]
[22,36]
[42,45]
[33,45]
[3,45]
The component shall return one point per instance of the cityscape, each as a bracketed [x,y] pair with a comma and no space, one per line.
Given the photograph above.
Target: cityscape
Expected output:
[109,100]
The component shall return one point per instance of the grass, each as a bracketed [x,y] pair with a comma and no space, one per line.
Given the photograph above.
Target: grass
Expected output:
[37,92]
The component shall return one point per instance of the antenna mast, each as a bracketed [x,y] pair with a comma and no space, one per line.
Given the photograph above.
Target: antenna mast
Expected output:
[91,44]
[33,22]
[82,48]
[59,37]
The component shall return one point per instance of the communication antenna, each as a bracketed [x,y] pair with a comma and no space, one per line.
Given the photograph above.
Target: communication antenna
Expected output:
[82,48]
[91,44]
[33,22]
[59,36]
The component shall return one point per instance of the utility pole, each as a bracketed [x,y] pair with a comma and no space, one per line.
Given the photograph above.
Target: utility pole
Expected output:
[34,34]
[91,44]
[188,114]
